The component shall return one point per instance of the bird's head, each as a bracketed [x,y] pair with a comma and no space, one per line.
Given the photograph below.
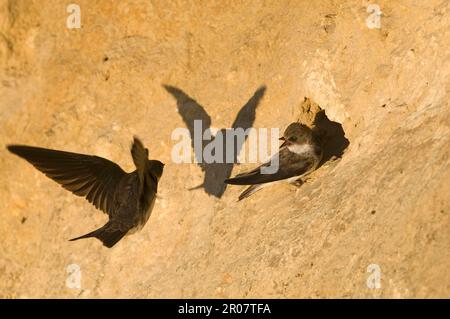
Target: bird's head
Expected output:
[296,134]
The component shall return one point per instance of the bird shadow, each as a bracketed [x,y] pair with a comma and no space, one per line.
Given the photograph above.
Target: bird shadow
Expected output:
[217,171]
[332,136]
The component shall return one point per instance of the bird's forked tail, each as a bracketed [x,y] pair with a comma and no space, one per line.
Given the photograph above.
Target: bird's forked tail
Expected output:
[108,235]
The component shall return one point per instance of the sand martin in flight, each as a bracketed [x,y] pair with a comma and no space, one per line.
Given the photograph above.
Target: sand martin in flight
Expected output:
[127,198]
[299,155]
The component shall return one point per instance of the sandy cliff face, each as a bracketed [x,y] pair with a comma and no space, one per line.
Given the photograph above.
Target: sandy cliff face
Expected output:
[88,90]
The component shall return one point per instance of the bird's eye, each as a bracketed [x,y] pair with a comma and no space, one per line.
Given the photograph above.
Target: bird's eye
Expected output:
[293,138]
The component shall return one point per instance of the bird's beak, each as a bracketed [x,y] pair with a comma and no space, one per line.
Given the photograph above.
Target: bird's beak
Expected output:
[284,141]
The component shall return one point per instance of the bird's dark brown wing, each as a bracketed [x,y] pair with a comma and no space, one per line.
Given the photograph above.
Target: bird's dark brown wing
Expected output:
[140,156]
[290,165]
[93,177]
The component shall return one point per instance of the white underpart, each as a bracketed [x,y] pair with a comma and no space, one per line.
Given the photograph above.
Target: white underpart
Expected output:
[300,148]
[293,179]
[289,180]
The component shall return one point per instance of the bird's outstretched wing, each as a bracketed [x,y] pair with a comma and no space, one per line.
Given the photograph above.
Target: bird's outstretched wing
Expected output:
[289,165]
[140,157]
[93,177]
